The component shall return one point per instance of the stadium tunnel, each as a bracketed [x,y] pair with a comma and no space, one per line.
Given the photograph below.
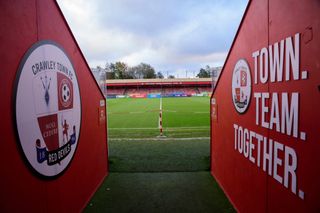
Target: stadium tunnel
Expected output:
[264,137]
[53,115]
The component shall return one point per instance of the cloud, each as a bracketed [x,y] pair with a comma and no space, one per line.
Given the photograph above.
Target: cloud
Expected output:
[170,35]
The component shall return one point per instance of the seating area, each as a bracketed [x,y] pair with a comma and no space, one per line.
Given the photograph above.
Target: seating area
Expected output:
[113,91]
[142,91]
[154,90]
[204,89]
[163,91]
[185,90]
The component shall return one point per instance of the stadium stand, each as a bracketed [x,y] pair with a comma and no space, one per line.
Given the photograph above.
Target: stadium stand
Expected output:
[116,91]
[186,90]
[152,88]
[204,89]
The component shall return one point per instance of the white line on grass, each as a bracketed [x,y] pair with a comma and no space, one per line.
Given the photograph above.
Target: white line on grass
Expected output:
[190,127]
[169,111]
[134,128]
[140,112]
[158,139]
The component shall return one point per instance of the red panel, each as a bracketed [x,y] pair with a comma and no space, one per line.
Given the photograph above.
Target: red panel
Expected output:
[247,185]
[24,23]
[239,177]
[286,19]
[17,33]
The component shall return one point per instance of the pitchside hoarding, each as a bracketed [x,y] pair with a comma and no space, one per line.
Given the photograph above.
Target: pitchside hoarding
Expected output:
[264,111]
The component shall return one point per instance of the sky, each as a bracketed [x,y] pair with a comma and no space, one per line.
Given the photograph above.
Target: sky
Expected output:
[173,36]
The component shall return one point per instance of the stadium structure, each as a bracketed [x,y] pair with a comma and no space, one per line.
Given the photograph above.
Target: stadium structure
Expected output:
[156,88]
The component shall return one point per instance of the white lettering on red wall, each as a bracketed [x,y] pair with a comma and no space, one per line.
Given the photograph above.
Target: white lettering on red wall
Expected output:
[276,111]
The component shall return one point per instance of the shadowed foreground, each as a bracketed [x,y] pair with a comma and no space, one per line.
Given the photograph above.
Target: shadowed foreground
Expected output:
[159,176]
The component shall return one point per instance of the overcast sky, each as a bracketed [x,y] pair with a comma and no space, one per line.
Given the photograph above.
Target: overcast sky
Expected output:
[173,36]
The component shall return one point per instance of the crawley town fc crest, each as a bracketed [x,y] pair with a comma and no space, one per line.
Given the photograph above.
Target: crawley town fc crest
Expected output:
[47,108]
[241,86]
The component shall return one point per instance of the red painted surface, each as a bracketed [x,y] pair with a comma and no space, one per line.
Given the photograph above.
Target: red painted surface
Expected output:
[247,185]
[23,23]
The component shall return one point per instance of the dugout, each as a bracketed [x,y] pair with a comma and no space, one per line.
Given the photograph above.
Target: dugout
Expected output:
[53,120]
[265,110]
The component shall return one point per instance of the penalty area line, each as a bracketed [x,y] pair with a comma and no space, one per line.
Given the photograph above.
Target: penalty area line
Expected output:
[166,128]
[158,139]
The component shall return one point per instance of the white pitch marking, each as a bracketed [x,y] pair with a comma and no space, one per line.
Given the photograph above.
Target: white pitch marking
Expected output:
[169,111]
[124,128]
[169,128]
[190,127]
[158,139]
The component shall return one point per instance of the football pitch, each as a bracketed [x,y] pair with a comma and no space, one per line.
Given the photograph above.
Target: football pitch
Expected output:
[152,174]
[139,118]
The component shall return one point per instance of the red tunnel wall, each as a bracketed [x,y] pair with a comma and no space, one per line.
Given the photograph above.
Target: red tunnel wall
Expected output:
[248,186]
[23,23]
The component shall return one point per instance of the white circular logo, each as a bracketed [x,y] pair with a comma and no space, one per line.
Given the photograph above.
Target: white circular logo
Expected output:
[241,86]
[47,108]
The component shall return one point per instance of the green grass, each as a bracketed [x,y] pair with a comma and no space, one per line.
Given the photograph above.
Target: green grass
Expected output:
[159,192]
[133,113]
[159,176]
[139,118]
[151,174]
[186,112]
[159,155]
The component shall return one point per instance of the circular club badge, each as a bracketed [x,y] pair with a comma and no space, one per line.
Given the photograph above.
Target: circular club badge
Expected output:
[241,86]
[47,108]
